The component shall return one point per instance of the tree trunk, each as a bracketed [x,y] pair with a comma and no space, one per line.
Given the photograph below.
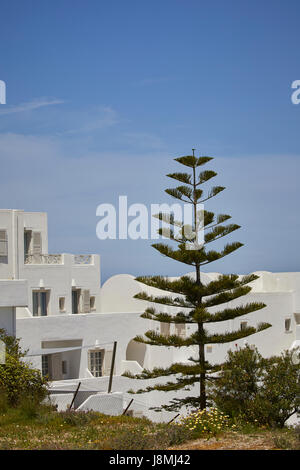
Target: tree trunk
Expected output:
[202,377]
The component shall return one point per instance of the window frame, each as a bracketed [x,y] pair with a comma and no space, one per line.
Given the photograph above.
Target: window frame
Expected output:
[96,368]
[39,304]
[62,308]
[289,320]
[64,367]
[4,241]
[45,369]
[92,303]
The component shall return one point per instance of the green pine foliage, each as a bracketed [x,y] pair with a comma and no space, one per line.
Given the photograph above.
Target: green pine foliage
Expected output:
[193,299]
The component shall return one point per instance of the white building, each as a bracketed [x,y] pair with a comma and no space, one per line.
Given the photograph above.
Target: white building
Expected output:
[13,294]
[56,299]
[69,323]
[13,287]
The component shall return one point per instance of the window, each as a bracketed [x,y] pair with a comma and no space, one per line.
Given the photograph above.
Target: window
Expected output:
[297,318]
[62,302]
[208,349]
[244,325]
[92,304]
[81,301]
[45,365]
[75,300]
[287,325]
[3,247]
[95,360]
[40,300]
[64,368]
[27,243]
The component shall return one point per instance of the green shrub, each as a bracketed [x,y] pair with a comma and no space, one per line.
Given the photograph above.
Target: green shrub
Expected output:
[257,390]
[18,380]
[3,401]
[153,437]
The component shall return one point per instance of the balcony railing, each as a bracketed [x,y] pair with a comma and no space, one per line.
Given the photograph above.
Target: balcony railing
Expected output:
[83,259]
[43,259]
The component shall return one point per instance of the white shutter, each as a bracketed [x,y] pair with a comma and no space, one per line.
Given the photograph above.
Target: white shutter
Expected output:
[3,243]
[165,329]
[86,306]
[107,362]
[56,366]
[36,243]
[180,329]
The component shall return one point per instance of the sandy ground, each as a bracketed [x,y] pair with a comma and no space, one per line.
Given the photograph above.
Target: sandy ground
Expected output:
[231,441]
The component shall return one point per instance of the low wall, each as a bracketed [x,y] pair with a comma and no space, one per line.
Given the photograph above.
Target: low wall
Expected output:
[106,403]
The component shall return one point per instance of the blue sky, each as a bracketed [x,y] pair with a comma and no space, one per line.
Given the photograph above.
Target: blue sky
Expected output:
[102,95]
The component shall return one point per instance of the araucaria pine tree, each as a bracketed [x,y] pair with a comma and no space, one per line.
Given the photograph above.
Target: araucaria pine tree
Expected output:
[196,300]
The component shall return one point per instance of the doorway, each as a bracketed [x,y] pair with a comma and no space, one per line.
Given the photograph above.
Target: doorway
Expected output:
[75,300]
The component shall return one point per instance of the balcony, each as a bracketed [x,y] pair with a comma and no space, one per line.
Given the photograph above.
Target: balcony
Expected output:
[40,259]
[83,259]
[43,259]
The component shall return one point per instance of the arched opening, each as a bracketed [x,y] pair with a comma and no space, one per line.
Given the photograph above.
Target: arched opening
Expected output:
[136,352]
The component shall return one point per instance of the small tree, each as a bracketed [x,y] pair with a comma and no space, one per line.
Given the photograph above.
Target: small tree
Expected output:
[189,294]
[238,381]
[18,380]
[258,390]
[281,389]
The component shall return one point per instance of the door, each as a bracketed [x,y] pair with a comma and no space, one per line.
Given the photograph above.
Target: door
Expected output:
[75,300]
[95,361]
[27,243]
[56,366]
[43,303]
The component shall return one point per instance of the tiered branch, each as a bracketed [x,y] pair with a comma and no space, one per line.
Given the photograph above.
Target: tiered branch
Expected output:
[196,304]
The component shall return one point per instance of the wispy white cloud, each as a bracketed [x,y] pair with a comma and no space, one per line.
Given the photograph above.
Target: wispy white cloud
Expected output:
[29,106]
[144,140]
[97,119]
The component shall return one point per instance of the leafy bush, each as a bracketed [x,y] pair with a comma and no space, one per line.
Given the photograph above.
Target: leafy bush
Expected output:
[205,422]
[3,402]
[288,440]
[18,380]
[258,390]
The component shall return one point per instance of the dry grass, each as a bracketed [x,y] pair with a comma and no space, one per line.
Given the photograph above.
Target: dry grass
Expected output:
[44,428]
[280,439]
[47,429]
